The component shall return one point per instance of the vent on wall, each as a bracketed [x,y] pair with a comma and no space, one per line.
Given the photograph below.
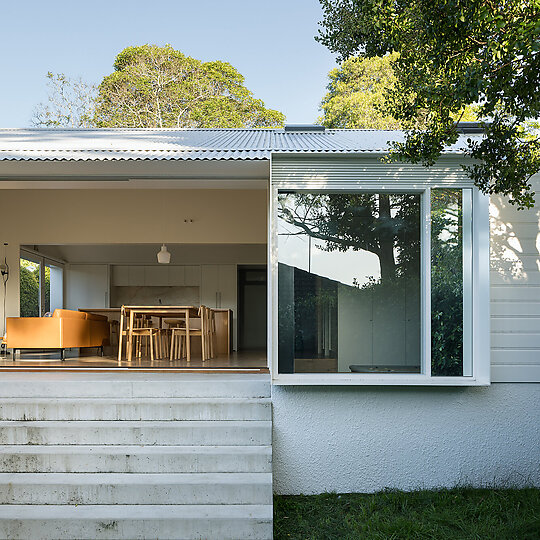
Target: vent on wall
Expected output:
[304,128]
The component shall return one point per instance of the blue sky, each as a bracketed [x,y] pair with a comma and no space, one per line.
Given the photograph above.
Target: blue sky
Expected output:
[270,42]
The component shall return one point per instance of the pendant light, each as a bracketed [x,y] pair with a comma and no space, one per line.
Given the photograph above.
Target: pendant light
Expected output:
[163,256]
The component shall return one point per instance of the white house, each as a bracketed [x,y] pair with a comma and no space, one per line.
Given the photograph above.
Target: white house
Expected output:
[374,342]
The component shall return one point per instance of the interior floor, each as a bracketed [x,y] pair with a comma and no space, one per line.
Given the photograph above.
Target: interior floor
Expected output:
[74,359]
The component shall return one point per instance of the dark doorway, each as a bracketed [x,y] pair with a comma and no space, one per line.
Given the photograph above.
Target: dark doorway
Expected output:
[251,307]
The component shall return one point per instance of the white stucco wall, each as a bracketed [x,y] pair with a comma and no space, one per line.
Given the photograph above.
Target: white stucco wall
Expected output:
[360,439]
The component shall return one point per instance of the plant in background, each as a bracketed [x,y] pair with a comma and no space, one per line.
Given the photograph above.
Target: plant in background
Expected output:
[29,288]
[355,97]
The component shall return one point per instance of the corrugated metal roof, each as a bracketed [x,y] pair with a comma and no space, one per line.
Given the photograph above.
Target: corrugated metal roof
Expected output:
[188,144]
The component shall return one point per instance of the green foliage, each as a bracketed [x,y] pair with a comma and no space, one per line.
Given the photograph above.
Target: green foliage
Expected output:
[453,54]
[460,513]
[154,86]
[446,283]
[357,92]
[29,288]
[355,97]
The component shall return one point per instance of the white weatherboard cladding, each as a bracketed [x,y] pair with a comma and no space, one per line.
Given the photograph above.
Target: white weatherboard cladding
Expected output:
[309,172]
[364,439]
[515,290]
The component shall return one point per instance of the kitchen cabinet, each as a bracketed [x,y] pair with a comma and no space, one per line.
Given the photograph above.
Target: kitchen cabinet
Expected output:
[219,290]
[156,276]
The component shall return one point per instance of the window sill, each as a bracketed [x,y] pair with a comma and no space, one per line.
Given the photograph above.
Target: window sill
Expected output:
[347,379]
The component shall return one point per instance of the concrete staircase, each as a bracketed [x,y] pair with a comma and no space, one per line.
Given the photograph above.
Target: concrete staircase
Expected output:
[135,455]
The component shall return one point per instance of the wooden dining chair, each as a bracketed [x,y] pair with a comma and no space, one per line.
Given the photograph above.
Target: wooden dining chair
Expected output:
[145,337]
[182,334]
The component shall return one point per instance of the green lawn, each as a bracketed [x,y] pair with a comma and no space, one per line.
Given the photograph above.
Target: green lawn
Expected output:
[460,513]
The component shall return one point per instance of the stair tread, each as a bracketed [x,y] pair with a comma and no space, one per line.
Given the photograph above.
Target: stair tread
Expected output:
[29,512]
[134,400]
[132,423]
[81,478]
[133,449]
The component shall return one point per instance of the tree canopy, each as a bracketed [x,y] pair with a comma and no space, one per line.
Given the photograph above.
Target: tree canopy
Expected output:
[453,54]
[155,87]
[355,97]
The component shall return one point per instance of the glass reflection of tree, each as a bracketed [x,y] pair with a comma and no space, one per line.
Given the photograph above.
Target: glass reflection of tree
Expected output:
[387,225]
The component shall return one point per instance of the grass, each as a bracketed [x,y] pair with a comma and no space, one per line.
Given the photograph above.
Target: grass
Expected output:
[460,513]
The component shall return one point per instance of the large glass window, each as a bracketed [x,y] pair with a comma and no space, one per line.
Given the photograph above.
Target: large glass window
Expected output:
[30,281]
[349,291]
[41,285]
[375,282]
[450,290]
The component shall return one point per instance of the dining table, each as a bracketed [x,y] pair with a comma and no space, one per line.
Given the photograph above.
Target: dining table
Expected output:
[128,314]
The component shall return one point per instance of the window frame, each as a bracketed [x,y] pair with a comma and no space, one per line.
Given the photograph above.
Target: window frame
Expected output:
[475,287]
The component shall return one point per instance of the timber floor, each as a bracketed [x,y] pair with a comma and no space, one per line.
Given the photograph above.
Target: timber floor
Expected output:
[75,360]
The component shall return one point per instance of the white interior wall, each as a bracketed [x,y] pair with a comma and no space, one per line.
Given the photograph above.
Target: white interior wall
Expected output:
[12,253]
[140,216]
[134,216]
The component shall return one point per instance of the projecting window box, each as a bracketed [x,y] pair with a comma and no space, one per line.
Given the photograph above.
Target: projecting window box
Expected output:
[379,285]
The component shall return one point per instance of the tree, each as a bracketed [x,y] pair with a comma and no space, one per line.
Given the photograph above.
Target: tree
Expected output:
[386,225]
[159,87]
[451,54]
[71,103]
[154,87]
[355,97]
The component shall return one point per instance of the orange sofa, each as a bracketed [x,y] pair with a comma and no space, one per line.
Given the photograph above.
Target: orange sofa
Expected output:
[65,329]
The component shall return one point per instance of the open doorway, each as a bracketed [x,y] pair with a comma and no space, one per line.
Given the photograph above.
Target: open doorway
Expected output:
[95,282]
[252,295]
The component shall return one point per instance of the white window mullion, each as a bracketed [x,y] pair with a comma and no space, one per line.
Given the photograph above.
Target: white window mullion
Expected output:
[467,220]
[426,282]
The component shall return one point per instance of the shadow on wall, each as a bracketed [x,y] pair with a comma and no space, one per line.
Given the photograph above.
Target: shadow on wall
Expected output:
[515,244]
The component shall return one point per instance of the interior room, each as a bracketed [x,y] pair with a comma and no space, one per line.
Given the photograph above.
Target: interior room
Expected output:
[168,253]
[101,278]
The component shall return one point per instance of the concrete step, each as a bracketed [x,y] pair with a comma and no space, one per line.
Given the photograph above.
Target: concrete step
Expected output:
[134,385]
[135,459]
[115,488]
[27,409]
[230,433]
[179,522]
